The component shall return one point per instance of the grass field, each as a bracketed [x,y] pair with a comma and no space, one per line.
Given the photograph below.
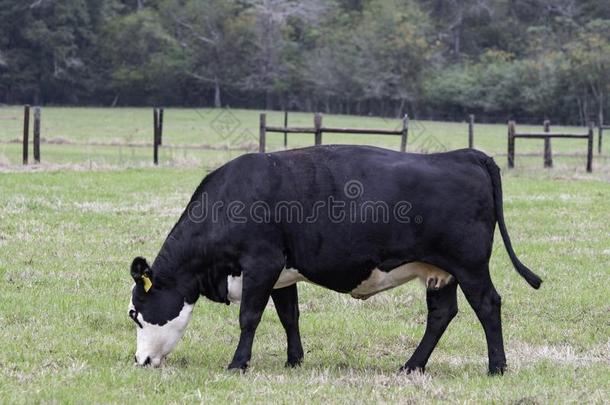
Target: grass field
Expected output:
[67,238]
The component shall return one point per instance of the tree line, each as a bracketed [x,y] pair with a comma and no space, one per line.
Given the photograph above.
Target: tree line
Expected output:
[438,59]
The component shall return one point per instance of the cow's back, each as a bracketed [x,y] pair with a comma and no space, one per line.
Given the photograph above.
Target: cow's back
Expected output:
[443,200]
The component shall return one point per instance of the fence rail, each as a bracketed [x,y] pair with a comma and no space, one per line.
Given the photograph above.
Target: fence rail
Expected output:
[292,130]
[544,135]
[318,130]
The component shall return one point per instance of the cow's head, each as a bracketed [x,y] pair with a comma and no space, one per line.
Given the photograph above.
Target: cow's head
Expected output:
[160,313]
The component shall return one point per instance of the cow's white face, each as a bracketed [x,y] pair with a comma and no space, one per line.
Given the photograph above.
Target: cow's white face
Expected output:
[156,341]
[160,314]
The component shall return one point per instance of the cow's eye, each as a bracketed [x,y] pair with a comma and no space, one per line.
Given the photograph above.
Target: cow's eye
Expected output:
[134,315]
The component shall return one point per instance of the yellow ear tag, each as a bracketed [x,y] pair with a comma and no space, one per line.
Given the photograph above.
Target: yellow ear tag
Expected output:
[147,283]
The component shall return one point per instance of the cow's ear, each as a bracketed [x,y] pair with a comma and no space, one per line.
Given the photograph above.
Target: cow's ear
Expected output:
[141,273]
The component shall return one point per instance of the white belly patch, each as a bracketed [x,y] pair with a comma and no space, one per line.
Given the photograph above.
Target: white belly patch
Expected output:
[431,276]
[287,277]
[378,281]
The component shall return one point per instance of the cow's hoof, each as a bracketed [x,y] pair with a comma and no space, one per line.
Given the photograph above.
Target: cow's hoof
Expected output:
[293,362]
[407,369]
[238,366]
[497,369]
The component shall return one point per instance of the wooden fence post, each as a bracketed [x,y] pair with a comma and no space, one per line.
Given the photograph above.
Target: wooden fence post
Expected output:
[317,123]
[511,144]
[155,136]
[262,133]
[160,126]
[405,133]
[26,133]
[37,134]
[599,137]
[285,126]
[471,131]
[548,154]
[590,148]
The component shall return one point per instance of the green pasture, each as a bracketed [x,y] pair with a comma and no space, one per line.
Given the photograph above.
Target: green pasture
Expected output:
[67,238]
[69,231]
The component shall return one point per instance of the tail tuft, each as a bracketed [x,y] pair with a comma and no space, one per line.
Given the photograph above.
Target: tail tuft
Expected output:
[528,275]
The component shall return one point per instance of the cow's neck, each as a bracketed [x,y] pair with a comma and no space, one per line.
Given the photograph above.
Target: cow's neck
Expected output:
[183,261]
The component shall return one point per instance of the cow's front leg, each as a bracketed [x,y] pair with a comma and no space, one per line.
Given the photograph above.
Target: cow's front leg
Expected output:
[256,289]
[286,301]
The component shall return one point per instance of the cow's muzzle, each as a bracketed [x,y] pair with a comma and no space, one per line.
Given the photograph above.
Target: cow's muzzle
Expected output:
[148,361]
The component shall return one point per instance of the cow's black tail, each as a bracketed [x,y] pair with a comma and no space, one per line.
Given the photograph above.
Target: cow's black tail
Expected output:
[496,181]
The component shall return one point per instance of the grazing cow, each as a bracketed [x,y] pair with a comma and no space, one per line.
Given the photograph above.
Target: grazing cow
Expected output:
[353,219]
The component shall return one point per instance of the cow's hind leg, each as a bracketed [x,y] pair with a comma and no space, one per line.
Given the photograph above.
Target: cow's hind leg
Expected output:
[483,298]
[442,308]
[286,303]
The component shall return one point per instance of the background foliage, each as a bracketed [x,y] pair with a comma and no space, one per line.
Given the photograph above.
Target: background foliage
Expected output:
[431,58]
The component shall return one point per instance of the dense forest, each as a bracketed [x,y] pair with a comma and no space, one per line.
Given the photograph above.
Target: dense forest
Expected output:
[437,59]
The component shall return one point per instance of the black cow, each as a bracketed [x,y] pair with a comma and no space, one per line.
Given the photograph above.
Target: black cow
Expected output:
[353,219]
